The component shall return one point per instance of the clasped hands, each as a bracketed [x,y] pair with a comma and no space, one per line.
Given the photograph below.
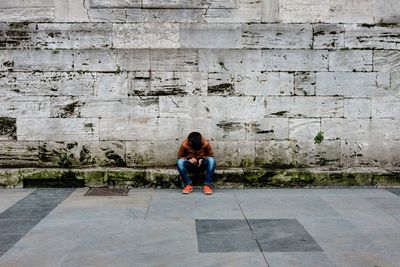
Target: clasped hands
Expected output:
[194,161]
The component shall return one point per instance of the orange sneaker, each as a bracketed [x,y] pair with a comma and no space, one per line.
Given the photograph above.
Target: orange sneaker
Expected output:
[188,188]
[207,190]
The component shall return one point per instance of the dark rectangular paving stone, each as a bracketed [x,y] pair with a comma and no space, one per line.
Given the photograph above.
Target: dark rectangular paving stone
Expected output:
[282,235]
[7,241]
[209,243]
[37,205]
[267,235]
[395,191]
[16,226]
[95,191]
[222,227]
[21,217]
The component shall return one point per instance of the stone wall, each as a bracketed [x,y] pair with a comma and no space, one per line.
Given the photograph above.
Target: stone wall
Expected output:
[271,83]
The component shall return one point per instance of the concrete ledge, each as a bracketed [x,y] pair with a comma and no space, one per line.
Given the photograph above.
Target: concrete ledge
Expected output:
[224,178]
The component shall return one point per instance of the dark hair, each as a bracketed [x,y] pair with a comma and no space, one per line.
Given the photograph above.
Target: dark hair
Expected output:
[195,140]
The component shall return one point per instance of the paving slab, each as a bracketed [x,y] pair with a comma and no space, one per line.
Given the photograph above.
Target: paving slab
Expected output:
[298,259]
[282,235]
[241,227]
[8,197]
[172,205]
[281,203]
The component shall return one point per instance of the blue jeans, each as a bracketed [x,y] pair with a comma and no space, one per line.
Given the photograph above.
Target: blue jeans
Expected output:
[184,166]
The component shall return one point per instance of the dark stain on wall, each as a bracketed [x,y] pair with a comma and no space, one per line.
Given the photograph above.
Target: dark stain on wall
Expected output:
[117,159]
[221,89]
[8,128]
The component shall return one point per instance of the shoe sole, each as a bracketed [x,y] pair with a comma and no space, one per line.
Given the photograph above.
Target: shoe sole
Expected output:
[208,193]
[185,193]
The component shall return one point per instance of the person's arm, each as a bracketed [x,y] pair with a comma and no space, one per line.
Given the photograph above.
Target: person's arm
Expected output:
[182,152]
[209,150]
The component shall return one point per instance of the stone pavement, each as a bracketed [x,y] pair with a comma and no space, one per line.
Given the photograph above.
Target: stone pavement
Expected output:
[240,227]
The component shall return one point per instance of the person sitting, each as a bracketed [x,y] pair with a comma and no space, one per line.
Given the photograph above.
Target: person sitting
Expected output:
[195,154]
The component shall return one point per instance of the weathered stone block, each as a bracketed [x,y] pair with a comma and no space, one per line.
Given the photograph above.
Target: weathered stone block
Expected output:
[312,154]
[385,84]
[350,84]
[275,154]
[338,128]
[174,106]
[311,107]
[199,35]
[134,15]
[304,83]
[145,35]
[31,14]
[395,83]
[174,59]
[234,154]
[115,3]
[212,128]
[350,60]
[18,154]
[245,11]
[294,60]
[71,11]
[357,108]
[189,4]
[112,60]
[41,60]
[240,107]
[66,107]
[240,15]
[139,129]
[266,129]
[74,36]
[374,37]
[264,83]
[168,83]
[111,85]
[237,129]
[112,15]
[25,107]
[25,3]
[89,107]
[380,153]
[220,60]
[17,35]
[305,129]
[270,10]
[46,83]
[56,129]
[387,11]
[328,36]
[221,83]
[227,107]
[8,129]
[82,153]
[167,15]
[386,107]
[358,11]
[152,153]
[289,36]
[385,128]
[291,11]
[387,60]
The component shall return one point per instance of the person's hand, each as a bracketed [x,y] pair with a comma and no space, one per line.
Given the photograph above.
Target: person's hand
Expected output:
[193,161]
[200,161]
